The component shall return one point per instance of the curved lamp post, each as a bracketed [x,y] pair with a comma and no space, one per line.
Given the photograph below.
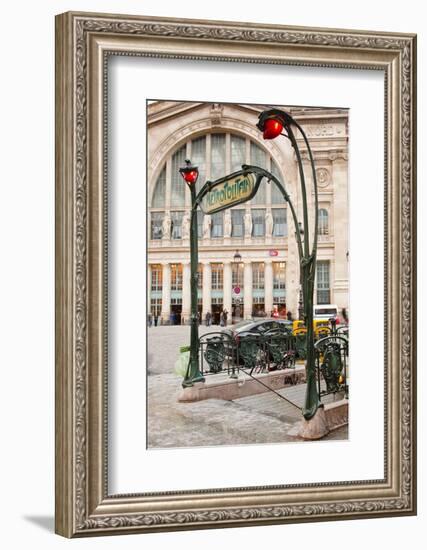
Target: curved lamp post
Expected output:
[273,123]
[300,296]
[190,174]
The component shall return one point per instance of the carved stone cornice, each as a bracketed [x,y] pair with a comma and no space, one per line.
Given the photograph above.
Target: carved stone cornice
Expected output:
[324,155]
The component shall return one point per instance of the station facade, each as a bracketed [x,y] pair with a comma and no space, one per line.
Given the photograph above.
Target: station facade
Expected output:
[248,259]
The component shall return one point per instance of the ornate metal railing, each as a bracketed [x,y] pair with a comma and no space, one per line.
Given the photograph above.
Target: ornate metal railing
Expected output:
[216,351]
[220,352]
[331,360]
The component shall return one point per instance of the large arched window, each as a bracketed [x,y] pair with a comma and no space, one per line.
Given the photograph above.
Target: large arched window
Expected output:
[177,195]
[159,195]
[259,158]
[323,221]
[217,154]
[276,194]
[198,158]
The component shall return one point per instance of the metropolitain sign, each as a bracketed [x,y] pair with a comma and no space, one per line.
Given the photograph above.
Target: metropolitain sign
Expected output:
[229,191]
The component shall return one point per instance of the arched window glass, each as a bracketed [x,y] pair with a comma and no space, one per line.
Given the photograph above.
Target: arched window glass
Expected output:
[259,158]
[198,158]
[238,152]
[217,156]
[323,222]
[276,195]
[160,190]
[178,187]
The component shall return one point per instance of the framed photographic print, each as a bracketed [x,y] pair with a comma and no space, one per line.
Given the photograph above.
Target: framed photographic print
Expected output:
[235,274]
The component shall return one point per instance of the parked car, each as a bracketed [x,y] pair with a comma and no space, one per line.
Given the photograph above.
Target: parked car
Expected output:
[325,311]
[256,328]
[260,326]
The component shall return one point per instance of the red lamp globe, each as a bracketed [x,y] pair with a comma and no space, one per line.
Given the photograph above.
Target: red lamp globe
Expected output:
[272,128]
[189,173]
[191,176]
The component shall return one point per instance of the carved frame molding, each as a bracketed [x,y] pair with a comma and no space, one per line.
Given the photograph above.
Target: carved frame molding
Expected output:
[83,41]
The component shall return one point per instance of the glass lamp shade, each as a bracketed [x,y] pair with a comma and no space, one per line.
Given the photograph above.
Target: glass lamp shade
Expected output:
[190,176]
[272,128]
[189,173]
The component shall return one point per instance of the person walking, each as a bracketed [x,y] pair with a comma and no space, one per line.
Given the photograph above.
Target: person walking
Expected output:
[344,315]
[208,318]
[225,317]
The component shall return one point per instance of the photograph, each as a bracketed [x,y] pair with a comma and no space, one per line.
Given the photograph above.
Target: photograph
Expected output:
[247,273]
[213,235]
[230,197]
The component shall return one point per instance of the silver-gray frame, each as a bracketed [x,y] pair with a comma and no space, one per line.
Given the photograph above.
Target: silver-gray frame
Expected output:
[83,43]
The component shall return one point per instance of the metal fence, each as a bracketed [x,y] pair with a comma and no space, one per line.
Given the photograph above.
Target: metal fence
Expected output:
[331,360]
[253,353]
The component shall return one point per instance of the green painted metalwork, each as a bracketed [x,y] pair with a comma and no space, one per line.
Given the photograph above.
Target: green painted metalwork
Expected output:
[307,257]
[193,373]
[278,346]
[301,345]
[331,367]
[215,353]
[250,350]
[331,358]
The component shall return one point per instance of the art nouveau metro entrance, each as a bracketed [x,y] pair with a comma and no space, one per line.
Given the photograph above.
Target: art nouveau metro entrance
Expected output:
[237,188]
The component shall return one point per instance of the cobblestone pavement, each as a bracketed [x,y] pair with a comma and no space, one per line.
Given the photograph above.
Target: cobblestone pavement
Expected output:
[213,421]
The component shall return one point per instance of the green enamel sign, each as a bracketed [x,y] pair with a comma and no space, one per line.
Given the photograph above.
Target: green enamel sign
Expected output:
[229,191]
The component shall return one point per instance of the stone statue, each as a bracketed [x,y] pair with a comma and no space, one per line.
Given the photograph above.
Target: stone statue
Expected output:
[248,223]
[207,222]
[268,224]
[186,225]
[227,224]
[166,226]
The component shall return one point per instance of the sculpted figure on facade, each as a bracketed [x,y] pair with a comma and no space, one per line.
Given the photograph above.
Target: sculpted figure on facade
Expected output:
[207,222]
[248,223]
[186,225]
[227,223]
[166,226]
[268,224]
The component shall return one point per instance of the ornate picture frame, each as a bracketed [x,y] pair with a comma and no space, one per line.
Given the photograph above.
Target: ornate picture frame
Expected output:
[83,44]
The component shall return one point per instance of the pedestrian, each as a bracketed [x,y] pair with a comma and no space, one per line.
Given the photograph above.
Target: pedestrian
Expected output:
[208,318]
[289,316]
[221,319]
[344,315]
[225,317]
[150,319]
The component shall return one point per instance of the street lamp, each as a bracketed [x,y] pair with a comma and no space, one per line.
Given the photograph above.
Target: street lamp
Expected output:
[273,123]
[237,258]
[190,174]
[300,296]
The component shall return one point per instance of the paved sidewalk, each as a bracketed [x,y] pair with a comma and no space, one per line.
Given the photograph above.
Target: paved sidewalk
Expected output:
[213,422]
